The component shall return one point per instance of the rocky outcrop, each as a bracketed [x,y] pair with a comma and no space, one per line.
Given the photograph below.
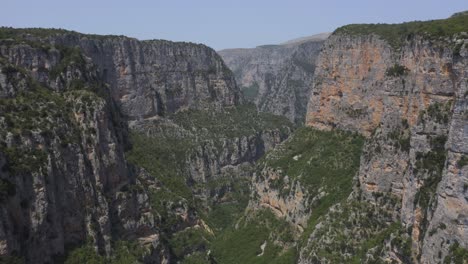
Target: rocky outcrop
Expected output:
[305,175]
[277,78]
[63,163]
[66,100]
[206,160]
[448,217]
[293,206]
[407,101]
[213,159]
[158,77]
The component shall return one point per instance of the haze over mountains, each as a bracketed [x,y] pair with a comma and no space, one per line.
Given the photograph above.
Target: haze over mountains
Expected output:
[277,78]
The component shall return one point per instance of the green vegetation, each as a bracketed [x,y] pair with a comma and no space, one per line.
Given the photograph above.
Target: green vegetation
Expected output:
[457,255]
[242,245]
[14,33]
[355,113]
[431,163]
[223,215]
[356,232]
[12,36]
[395,34]
[440,112]
[401,139]
[325,161]
[437,112]
[377,241]
[250,92]
[165,154]
[24,161]
[36,111]
[163,159]
[33,110]
[463,13]
[463,161]
[84,254]
[332,157]
[190,240]
[397,70]
[231,122]
[124,252]
[69,56]
[40,111]
[127,252]
[197,258]
[21,34]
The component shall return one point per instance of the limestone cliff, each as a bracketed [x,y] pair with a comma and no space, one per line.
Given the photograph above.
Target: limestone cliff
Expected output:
[407,95]
[157,77]
[62,159]
[277,78]
[113,149]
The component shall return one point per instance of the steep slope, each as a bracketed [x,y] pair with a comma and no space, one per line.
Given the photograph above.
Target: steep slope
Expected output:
[113,149]
[277,78]
[404,87]
[158,77]
[62,159]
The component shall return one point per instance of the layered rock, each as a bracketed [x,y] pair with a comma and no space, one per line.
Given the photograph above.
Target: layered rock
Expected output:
[407,100]
[66,99]
[277,78]
[148,78]
[305,175]
[62,159]
[216,157]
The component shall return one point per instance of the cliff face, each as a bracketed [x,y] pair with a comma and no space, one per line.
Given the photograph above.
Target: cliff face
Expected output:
[62,159]
[218,148]
[277,78]
[119,147]
[410,103]
[158,77]
[113,149]
[404,199]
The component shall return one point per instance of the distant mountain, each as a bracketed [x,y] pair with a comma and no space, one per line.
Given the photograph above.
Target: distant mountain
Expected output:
[316,37]
[277,78]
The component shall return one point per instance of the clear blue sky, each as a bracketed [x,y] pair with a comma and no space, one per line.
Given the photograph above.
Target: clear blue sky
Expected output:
[218,23]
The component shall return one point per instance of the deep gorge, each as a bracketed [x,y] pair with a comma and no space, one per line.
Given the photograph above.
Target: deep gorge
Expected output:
[351,148]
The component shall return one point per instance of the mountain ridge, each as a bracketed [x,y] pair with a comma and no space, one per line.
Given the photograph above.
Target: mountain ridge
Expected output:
[114,150]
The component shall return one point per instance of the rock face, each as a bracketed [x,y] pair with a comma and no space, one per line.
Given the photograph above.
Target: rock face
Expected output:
[277,78]
[158,77]
[68,104]
[215,161]
[293,207]
[410,103]
[145,152]
[66,99]
[63,168]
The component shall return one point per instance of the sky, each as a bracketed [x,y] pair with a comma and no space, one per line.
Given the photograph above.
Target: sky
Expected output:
[219,24]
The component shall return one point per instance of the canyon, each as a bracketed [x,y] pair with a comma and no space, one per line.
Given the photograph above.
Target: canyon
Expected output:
[349,147]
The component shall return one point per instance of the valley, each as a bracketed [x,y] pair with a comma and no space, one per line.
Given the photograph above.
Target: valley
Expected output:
[349,147]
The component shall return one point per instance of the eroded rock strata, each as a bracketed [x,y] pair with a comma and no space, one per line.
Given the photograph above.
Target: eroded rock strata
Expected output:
[277,78]
[114,150]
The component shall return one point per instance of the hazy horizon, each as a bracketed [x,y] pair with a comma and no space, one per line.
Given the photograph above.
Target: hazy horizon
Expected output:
[220,25]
